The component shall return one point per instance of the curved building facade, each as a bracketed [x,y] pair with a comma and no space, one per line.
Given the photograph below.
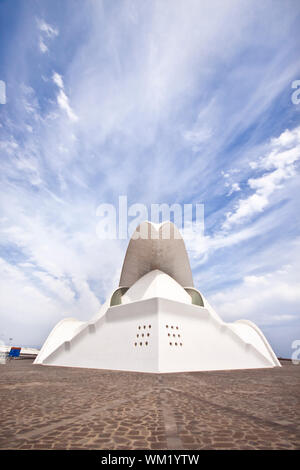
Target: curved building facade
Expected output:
[160,247]
[156,320]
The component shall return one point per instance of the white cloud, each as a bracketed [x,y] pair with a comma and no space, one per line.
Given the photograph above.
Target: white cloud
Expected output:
[24,309]
[58,80]
[46,28]
[280,160]
[200,247]
[59,287]
[47,32]
[53,282]
[9,146]
[159,102]
[234,188]
[43,46]
[63,102]
[266,299]
[197,137]
[62,99]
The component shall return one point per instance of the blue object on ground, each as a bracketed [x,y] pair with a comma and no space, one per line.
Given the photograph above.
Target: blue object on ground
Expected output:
[14,352]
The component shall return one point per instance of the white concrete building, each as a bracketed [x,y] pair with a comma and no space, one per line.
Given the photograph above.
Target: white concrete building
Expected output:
[156,321]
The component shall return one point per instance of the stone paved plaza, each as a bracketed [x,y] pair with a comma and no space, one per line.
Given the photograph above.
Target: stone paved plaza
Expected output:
[68,408]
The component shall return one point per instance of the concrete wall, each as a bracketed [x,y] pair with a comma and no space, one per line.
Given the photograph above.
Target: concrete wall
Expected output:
[146,254]
[136,337]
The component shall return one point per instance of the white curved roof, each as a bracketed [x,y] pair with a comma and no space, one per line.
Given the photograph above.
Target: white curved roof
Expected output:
[152,247]
[156,284]
[63,331]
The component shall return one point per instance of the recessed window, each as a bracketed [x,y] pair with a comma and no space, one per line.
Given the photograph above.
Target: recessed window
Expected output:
[139,327]
[144,326]
[141,344]
[146,343]
[169,334]
[135,344]
[148,334]
[170,344]
[143,335]
[167,326]
[176,327]
[149,326]
[175,344]
[178,336]
[137,335]
[180,344]
[172,326]
[174,336]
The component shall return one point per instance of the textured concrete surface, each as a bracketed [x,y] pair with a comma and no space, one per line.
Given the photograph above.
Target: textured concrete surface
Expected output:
[67,408]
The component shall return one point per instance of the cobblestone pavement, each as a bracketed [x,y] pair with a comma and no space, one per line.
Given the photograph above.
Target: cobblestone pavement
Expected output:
[68,408]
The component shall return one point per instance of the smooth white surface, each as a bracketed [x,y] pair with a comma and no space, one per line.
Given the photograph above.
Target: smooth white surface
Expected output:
[250,333]
[207,344]
[157,328]
[63,331]
[156,284]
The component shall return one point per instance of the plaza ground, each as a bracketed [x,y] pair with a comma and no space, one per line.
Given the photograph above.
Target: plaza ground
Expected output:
[68,408]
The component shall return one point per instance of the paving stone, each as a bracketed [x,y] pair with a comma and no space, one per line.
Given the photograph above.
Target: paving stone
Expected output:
[71,408]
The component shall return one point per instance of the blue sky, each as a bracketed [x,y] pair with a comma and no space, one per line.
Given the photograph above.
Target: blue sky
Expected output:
[165,102]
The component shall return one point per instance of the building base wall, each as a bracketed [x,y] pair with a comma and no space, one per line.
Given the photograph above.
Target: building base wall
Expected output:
[159,335]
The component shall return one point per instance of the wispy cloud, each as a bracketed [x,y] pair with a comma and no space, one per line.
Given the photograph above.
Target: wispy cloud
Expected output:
[47,32]
[62,98]
[163,102]
[280,160]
